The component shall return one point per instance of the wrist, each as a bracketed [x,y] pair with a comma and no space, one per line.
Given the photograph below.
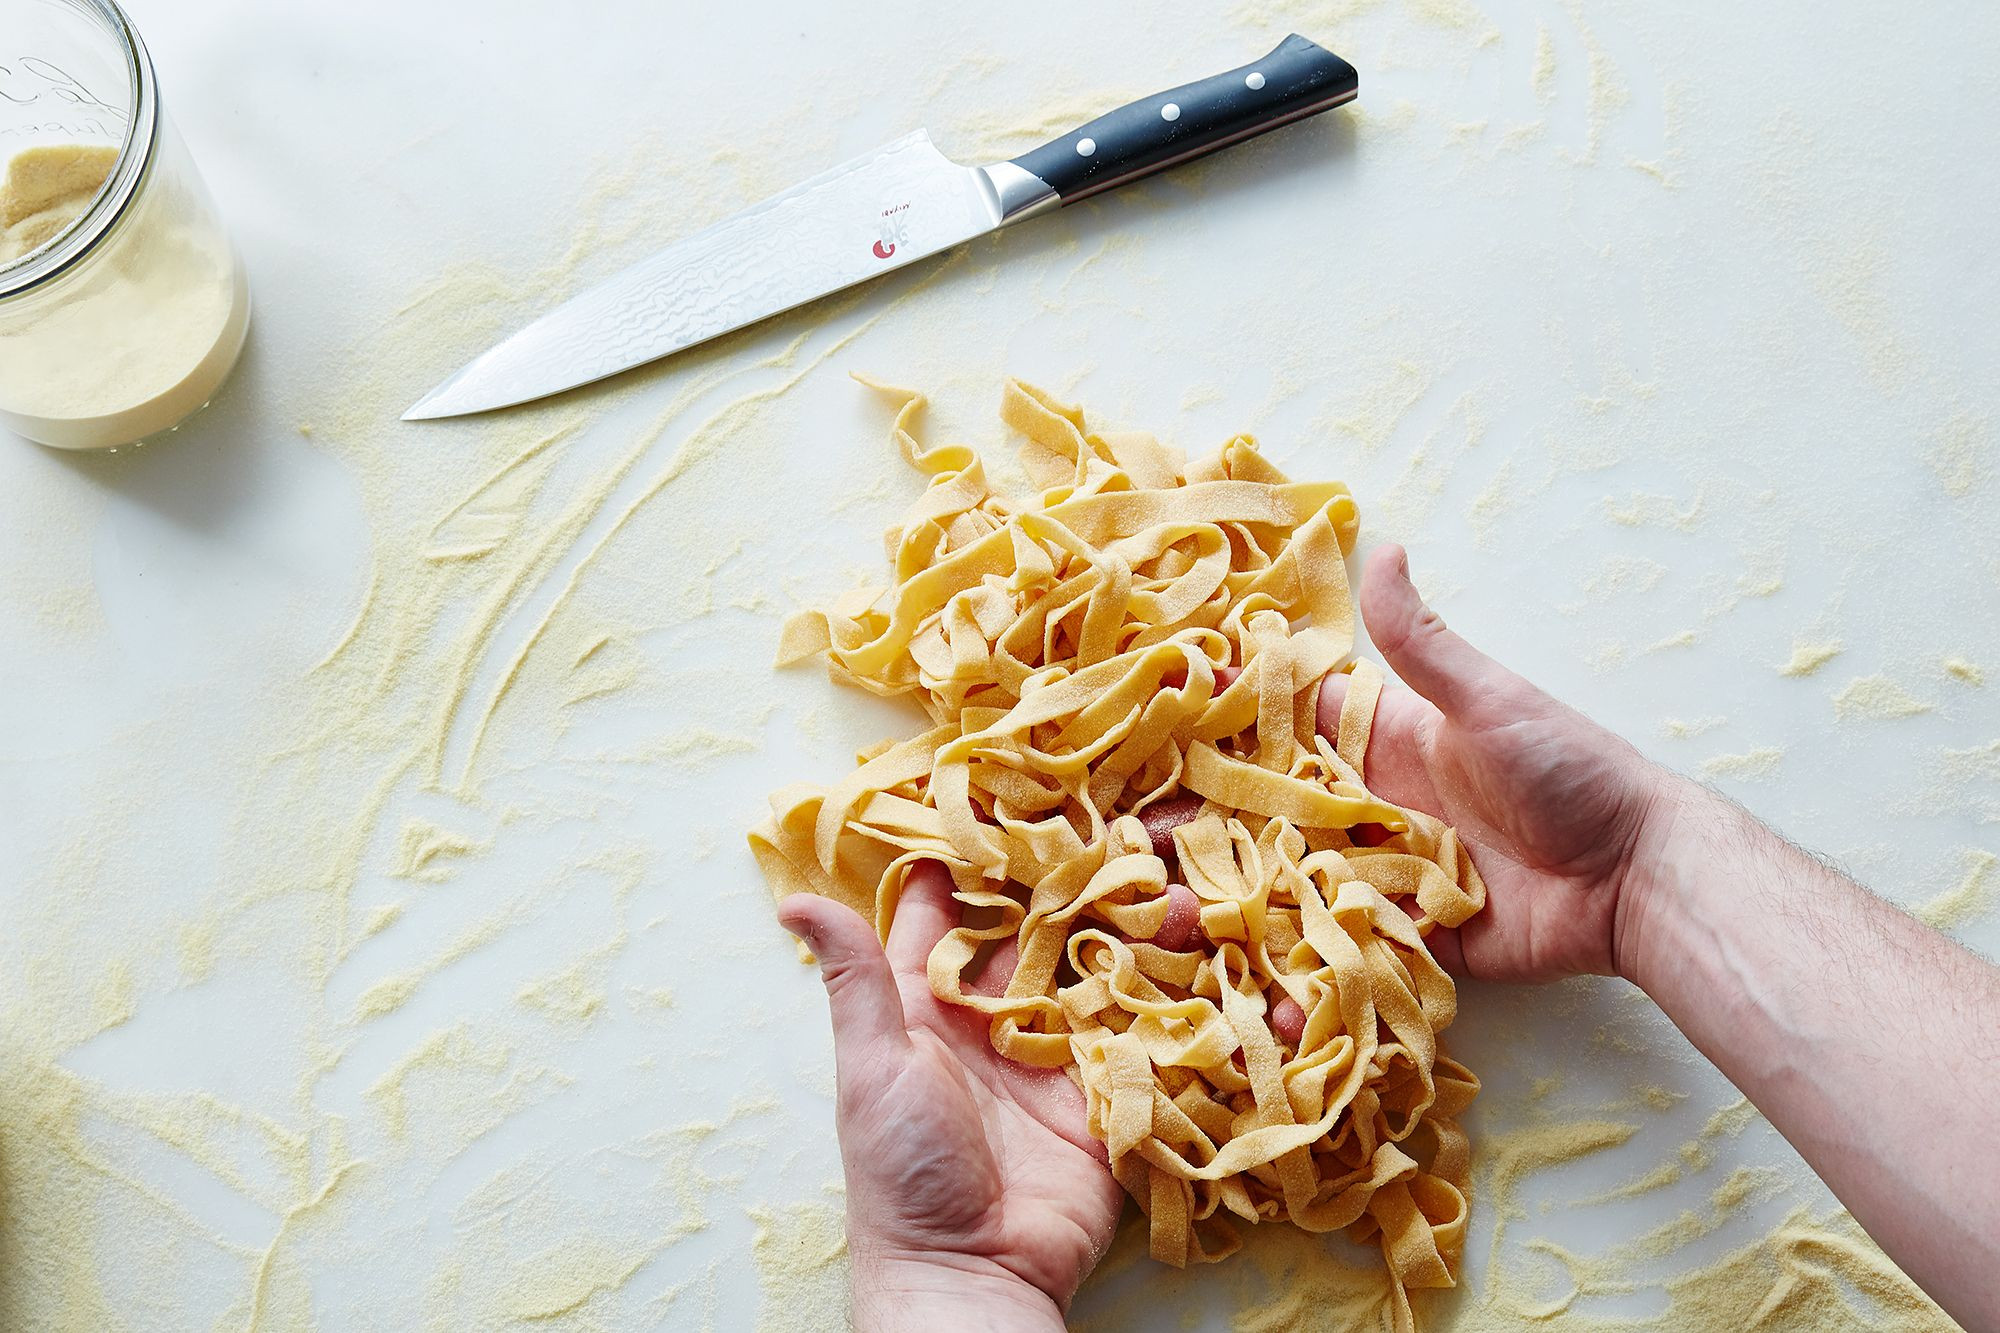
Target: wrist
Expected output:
[1680,822]
[897,1292]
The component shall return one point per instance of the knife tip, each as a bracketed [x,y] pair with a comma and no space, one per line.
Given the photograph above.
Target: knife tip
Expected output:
[428,408]
[462,395]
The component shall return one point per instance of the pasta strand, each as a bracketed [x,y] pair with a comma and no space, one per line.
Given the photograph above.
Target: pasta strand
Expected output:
[1075,653]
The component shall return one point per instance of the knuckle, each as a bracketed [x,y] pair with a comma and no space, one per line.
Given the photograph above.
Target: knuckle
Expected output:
[1427,624]
[841,974]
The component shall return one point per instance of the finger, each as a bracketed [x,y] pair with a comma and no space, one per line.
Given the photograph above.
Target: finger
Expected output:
[1443,941]
[1332,698]
[1447,948]
[1182,920]
[923,914]
[1394,764]
[1288,1021]
[1162,817]
[995,972]
[860,988]
[1431,659]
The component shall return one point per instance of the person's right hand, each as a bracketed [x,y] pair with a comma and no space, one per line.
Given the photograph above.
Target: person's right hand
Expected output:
[1854,1028]
[1553,807]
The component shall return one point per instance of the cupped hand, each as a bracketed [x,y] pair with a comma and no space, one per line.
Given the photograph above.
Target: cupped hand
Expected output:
[975,1192]
[1554,807]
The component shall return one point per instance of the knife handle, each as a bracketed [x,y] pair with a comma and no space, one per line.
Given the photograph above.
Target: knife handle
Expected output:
[1298,79]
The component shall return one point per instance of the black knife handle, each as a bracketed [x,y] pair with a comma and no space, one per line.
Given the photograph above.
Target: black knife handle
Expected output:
[1298,79]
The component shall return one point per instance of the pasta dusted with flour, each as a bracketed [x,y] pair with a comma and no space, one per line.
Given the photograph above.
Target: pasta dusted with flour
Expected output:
[1148,636]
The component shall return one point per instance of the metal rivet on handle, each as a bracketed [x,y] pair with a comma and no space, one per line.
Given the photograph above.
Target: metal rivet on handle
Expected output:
[1253,81]
[1170,112]
[1085,147]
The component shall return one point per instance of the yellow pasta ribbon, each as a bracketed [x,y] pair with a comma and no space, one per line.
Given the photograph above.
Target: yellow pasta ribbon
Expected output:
[1075,652]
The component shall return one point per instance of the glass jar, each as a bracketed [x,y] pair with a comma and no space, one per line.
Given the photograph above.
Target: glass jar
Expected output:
[118,322]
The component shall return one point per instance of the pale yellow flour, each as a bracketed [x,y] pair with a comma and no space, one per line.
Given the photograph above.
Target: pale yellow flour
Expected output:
[800,1250]
[307,880]
[1751,766]
[468,529]
[137,333]
[1543,76]
[1971,897]
[45,189]
[1641,509]
[1809,655]
[1960,669]
[1876,697]
[1960,453]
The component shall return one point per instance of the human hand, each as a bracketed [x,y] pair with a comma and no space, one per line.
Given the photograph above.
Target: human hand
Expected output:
[1553,807]
[975,1192]
[974,1187]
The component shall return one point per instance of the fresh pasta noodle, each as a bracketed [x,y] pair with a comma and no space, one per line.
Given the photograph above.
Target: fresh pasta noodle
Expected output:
[1220,927]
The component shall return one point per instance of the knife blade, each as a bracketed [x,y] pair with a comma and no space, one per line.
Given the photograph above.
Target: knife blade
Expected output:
[896,206]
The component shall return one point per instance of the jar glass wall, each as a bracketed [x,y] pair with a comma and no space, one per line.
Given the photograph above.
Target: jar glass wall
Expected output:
[123,303]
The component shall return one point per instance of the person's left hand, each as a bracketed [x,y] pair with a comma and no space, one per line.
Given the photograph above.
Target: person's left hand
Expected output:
[975,1192]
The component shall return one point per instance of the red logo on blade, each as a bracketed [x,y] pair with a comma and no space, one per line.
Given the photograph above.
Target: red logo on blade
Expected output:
[883,249]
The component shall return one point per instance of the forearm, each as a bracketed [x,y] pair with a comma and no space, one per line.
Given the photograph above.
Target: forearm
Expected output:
[1869,1040]
[935,1294]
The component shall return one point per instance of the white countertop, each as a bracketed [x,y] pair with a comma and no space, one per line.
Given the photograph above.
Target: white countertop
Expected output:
[1663,335]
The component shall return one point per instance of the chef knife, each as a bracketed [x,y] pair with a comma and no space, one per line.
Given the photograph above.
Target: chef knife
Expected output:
[892,207]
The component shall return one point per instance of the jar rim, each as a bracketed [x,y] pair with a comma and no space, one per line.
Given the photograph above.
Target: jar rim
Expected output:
[135,156]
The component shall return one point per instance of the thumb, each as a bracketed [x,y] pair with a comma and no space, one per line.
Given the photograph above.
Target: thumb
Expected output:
[1413,639]
[860,988]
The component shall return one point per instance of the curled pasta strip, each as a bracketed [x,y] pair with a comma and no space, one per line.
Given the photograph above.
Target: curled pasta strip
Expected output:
[1145,629]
